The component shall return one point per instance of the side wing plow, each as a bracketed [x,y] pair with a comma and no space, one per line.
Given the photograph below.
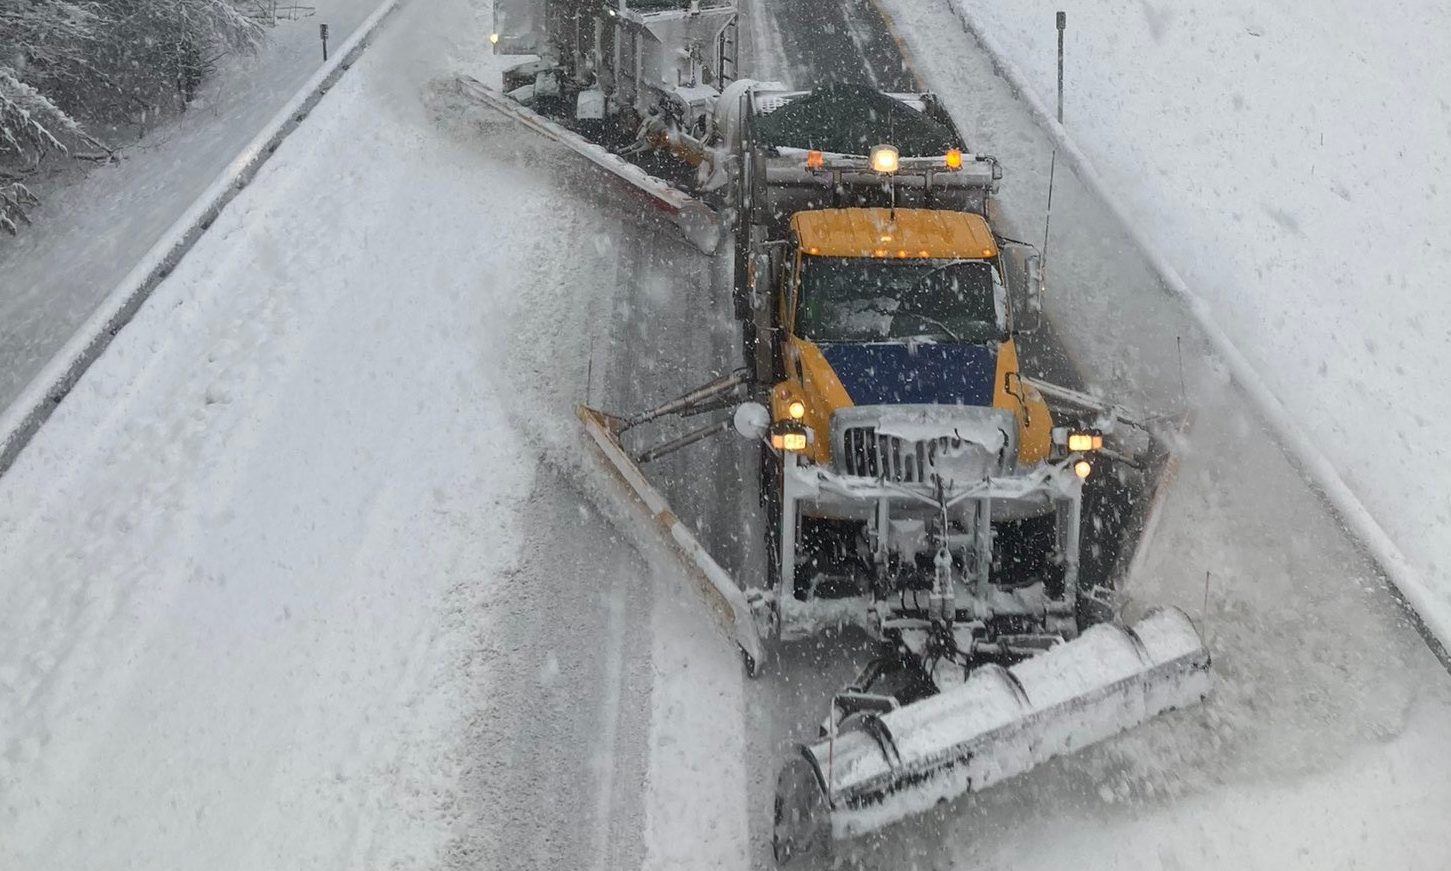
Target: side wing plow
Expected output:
[698,222]
[711,582]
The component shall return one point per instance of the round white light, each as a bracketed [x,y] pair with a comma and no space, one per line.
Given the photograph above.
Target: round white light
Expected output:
[884,158]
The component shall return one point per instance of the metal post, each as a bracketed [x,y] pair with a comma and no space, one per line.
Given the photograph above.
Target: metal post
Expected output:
[322,34]
[984,554]
[1053,165]
[1062,23]
[786,547]
[690,438]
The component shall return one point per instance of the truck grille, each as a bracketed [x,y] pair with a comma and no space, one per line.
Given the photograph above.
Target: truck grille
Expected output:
[869,455]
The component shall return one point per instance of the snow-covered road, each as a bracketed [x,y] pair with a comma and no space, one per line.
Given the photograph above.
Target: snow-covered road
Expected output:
[308,571]
[300,575]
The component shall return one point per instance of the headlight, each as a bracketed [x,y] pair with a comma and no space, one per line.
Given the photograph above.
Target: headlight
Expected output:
[884,159]
[796,408]
[788,435]
[1078,441]
[1083,468]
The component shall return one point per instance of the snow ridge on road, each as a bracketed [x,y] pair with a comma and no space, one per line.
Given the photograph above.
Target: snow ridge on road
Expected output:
[34,405]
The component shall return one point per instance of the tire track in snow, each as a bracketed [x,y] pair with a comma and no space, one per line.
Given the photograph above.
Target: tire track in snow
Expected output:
[609,719]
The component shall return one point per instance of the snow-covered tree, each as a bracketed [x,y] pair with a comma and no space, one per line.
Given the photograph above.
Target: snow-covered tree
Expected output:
[14,198]
[67,66]
[162,49]
[42,43]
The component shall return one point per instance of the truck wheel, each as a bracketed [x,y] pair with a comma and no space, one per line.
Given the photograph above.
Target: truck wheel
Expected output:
[753,668]
[801,817]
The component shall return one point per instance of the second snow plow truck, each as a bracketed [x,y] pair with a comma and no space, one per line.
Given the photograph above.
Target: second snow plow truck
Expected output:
[915,483]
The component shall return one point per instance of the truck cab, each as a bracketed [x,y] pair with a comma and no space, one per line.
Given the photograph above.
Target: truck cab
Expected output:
[919,478]
[918,486]
[886,306]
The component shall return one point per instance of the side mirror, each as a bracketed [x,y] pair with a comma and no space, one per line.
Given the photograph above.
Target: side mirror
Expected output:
[1033,266]
[1023,268]
[1031,318]
[752,420]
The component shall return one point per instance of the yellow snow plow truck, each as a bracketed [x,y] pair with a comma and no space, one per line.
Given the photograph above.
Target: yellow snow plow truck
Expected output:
[915,482]
[916,485]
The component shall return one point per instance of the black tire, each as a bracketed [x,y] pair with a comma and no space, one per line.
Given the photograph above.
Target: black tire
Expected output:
[753,668]
[800,823]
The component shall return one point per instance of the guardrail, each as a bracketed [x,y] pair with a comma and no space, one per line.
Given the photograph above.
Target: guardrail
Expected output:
[1433,612]
[34,405]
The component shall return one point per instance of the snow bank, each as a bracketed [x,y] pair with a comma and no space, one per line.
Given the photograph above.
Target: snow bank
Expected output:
[1287,163]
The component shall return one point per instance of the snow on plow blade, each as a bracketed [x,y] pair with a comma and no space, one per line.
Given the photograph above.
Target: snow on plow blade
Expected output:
[999,723]
[698,222]
[712,582]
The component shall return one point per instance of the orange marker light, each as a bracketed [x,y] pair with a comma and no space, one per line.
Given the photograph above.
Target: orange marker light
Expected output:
[953,158]
[815,159]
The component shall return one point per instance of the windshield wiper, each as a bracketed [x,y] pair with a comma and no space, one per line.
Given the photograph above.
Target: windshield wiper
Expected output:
[933,273]
[931,320]
[899,313]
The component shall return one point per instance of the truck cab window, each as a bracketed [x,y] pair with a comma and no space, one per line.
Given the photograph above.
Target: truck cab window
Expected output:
[858,299]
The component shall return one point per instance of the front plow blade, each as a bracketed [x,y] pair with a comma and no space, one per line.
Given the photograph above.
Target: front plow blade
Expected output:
[712,582]
[1000,723]
[698,222]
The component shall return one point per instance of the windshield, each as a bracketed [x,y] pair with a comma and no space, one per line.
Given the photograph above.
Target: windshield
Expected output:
[860,299]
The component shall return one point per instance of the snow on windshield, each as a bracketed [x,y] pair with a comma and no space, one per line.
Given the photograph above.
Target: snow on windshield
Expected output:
[856,299]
